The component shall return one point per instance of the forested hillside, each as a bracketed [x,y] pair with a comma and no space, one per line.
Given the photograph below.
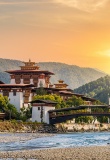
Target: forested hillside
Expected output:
[98,89]
[73,75]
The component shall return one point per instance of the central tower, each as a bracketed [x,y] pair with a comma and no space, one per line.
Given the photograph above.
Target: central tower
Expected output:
[30,74]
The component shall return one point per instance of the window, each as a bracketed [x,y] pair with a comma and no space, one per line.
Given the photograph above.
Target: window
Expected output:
[14,93]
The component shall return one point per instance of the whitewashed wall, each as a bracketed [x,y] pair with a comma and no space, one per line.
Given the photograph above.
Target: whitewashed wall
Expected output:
[16,100]
[12,81]
[36,114]
[41,81]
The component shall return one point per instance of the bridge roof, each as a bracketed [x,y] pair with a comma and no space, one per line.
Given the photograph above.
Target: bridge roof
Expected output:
[78,108]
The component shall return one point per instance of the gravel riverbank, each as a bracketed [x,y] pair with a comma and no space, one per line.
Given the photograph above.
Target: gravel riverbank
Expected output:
[76,153]
[80,153]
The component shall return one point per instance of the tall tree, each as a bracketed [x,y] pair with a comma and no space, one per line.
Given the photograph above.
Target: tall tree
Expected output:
[8,108]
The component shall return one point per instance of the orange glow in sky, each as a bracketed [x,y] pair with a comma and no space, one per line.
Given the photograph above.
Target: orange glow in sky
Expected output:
[69,31]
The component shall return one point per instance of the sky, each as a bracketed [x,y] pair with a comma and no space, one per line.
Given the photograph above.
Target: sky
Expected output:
[75,32]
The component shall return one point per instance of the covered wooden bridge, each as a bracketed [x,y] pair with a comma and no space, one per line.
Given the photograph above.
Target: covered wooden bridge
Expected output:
[64,114]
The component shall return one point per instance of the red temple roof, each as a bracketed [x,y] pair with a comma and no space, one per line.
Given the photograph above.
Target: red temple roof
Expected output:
[29,71]
[15,85]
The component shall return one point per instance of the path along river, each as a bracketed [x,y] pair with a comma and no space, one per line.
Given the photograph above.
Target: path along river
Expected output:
[57,141]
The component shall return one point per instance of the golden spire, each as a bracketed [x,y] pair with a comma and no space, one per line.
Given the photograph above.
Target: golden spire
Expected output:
[29,66]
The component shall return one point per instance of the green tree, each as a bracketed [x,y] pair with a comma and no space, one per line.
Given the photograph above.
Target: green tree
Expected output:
[9,109]
[74,101]
[52,97]
[86,119]
[25,113]
[103,119]
[11,112]
[3,103]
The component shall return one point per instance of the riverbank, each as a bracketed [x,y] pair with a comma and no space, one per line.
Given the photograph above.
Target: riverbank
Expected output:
[84,127]
[34,127]
[28,127]
[80,153]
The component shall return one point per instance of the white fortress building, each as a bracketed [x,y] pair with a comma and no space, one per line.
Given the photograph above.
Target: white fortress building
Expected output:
[26,81]
[22,83]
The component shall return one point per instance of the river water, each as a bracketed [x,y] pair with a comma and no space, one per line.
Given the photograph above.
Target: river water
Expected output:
[58,141]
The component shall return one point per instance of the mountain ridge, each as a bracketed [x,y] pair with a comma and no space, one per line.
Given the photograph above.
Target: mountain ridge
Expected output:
[98,89]
[73,75]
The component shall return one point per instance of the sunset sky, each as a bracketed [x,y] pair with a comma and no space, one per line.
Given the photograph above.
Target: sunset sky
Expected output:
[75,32]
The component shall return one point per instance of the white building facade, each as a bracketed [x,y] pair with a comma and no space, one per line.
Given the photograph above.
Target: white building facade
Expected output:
[40,110]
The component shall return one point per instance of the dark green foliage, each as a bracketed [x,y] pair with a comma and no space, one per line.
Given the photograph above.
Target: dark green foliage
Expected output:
[103,119]
[11,112]
[73,75]
[103,95]
[86,119]
[98,89]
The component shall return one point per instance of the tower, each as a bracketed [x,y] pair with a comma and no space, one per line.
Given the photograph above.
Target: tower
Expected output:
[30,74]
[40,110]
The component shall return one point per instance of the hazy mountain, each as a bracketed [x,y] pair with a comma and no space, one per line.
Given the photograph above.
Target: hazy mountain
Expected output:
[73,75]
[98,89]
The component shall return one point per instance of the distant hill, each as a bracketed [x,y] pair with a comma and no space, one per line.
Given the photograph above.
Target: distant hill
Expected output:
[98,89]
[73,75]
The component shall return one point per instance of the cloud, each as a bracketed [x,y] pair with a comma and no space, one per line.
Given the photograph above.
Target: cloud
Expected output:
[85,5]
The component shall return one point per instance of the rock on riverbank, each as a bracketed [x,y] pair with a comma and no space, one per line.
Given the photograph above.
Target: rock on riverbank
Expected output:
[84,127]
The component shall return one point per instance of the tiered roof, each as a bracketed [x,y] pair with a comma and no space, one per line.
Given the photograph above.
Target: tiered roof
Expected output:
[29,68]
[61,84]
[16,85]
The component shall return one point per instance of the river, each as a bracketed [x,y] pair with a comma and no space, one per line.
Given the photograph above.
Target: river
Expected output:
[57,141]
